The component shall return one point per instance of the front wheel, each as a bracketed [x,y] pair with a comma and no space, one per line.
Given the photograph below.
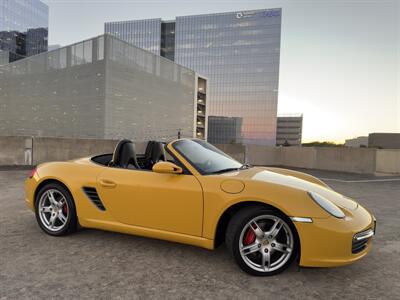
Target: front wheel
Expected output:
[262,241]
[55,210]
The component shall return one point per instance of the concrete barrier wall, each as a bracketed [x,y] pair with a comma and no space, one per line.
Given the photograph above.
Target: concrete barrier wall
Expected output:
[353,160]
[299,157]
[388,161]
[263,156]
[27,151]
[60,149]
[33,151]
[12,150]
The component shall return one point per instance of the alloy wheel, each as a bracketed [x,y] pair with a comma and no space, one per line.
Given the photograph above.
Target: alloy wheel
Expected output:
[53,210]
[266,243]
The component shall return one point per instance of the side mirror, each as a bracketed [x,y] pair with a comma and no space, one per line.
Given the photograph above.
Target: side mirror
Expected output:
[167,167]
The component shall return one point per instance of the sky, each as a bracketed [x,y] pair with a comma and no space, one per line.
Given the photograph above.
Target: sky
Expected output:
[340,59]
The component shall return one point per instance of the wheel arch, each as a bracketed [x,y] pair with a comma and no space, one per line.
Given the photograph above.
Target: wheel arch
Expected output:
[47,181]
[230,211]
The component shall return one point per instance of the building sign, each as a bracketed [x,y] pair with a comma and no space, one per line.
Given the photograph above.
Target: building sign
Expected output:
[249,14]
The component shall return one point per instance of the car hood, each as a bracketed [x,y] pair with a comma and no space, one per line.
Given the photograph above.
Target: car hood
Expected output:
[272,177]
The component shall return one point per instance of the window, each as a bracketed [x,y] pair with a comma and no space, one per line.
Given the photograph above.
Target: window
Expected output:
[206,158]
[81,53]
[100,48]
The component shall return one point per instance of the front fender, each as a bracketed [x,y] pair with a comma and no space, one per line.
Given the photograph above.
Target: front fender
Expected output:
[290,201]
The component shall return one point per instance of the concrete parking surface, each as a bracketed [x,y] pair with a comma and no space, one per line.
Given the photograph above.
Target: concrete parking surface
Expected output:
[104,265]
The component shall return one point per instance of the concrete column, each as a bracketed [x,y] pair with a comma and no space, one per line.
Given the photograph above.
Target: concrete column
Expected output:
[28,152]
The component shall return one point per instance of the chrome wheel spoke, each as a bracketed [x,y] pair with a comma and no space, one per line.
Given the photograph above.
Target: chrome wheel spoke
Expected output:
[50,195]
[62,218]
[266,261]
[257,230]
[61,203]
[246,250]
[52,221]
[282,248]
[275,229]
[46,209]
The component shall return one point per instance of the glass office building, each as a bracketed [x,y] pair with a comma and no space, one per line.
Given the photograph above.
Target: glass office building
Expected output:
[239,53]
[145,34]
[23,29]
[224,130]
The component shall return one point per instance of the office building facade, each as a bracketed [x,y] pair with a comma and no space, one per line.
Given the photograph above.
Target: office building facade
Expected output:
[224,130]
[101,88]
[23,29]
[239,53]
[289,130]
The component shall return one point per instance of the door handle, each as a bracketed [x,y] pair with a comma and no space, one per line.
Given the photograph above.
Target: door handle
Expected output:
[107,183]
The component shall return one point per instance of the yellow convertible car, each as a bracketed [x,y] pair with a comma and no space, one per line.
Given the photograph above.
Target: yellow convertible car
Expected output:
[190,192]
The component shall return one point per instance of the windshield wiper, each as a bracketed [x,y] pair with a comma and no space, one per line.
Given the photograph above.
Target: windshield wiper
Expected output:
[224,170]
[243,167]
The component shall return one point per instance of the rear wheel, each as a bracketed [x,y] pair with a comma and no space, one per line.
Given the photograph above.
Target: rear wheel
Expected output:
[262,241]
[55,210]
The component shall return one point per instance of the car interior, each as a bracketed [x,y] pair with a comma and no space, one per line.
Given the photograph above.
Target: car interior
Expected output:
[125,156]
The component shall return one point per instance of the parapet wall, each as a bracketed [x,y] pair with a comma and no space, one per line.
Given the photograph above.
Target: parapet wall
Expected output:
[19,151]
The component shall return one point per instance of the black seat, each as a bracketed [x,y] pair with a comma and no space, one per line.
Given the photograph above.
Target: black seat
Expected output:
[148,151]
[124,155]
[153,154]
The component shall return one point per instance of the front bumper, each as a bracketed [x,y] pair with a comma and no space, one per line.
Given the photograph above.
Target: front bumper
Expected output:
[30,186]
[331,242]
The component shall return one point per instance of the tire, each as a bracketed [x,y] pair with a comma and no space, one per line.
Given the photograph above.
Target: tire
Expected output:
[259,248]
[56,214]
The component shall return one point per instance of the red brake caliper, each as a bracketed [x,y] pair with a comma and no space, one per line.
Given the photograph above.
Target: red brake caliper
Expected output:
[65,209]
[249,238]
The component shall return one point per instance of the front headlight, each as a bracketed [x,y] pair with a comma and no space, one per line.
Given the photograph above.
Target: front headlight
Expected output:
[327,205]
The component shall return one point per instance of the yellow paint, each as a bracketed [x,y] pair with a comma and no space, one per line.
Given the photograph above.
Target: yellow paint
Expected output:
[232,186]
[167,167]
[186,208]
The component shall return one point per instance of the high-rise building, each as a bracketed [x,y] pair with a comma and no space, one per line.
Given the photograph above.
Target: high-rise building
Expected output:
[238,52]
[289,130]
[102,88]
[23,29]
[224,130]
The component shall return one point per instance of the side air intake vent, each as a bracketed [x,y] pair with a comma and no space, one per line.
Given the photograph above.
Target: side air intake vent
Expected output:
[94,197]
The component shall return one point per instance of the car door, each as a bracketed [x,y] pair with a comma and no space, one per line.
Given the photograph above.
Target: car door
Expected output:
[169,202]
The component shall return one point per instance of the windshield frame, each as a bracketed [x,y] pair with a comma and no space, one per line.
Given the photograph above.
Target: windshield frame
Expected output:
[192,164]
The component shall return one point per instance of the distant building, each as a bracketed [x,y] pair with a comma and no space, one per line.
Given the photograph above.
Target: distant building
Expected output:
[361,141]
[238,51]
[102,88]
[53,47]
[224,130]
[384,140]
[23,29]
[289,130]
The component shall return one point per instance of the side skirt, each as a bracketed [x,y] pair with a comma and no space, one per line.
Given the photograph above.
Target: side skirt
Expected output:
[148,232]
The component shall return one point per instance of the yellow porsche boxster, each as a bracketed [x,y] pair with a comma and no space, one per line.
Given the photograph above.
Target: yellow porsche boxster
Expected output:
[190,192]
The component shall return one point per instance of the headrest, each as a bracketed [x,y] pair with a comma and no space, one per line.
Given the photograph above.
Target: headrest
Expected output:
[124,154]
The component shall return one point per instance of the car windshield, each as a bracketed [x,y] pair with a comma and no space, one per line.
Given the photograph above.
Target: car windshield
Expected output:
[206,158]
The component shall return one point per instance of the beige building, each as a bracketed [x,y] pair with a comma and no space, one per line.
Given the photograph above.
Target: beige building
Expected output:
[102,88]
[289,130]
[361,141]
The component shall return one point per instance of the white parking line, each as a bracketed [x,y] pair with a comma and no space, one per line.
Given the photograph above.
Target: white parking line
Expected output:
[362,180]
